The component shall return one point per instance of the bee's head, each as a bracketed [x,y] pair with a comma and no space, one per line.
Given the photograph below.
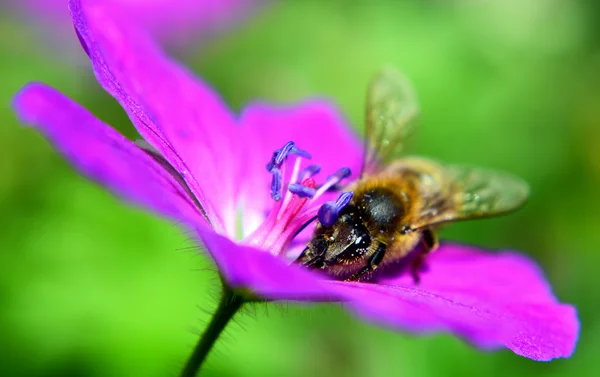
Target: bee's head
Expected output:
[344,242]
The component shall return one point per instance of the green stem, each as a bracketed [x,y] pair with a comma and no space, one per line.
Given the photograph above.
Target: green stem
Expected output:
[229,305]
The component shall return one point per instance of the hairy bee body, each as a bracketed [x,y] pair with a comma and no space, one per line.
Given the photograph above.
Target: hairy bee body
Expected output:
[374,228]
[398,203]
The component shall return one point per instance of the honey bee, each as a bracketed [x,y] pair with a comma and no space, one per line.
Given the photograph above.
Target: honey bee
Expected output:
[398,204]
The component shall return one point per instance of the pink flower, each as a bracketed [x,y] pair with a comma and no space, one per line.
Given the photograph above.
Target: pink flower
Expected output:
[208,171]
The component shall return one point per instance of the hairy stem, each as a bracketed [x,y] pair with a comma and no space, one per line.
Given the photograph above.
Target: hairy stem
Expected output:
[229,305]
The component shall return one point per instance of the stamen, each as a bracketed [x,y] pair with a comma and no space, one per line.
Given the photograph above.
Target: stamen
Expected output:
[287,236]
[276,184]
[309,171]
[294,207]
[344,199]
[301,152]
[329,212]
[287,214]
[294,177]
[333,180]
[276,165]
[301,190]
[280,154]
[340,174]
[294,197]
[296,171]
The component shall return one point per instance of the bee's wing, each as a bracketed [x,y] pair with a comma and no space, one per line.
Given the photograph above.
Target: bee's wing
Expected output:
[453,192]
[391,111]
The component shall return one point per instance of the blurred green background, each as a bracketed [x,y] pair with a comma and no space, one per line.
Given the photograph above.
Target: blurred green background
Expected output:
[92,287]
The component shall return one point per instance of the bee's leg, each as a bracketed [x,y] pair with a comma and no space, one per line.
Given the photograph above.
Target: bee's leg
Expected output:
[430,243]
[372,264]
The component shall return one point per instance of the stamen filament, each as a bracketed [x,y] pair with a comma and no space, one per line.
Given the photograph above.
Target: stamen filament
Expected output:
[289,213]
[288,235]
[295,172]
[296,208]
[333,180]
[309,171]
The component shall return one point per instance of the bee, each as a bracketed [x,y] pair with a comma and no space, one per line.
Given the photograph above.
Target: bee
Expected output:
[397,205]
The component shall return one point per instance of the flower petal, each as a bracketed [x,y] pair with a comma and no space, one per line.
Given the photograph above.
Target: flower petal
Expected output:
[263,274]
[102,153]
[315,126]
[178,114]
[491,300]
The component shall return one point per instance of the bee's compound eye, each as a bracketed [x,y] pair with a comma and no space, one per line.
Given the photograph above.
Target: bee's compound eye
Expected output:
[362,242]
[358,246]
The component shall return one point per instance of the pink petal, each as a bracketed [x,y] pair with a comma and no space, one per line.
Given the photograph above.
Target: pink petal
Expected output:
[490,299]
[178,114]
[315,126]
[261,273]
[102,153]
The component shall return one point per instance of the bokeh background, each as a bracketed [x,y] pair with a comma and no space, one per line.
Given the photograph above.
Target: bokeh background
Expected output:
[92,287]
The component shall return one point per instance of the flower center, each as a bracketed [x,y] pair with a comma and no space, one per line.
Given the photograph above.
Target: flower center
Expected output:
[294,200]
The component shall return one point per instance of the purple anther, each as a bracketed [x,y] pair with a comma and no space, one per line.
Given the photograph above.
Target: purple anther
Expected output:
[338,175]
[309,171]
[301,190]
[280,154]
[344,199]
[300,152]
[329,212]
[271,164]
[276,184]
[343,173]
